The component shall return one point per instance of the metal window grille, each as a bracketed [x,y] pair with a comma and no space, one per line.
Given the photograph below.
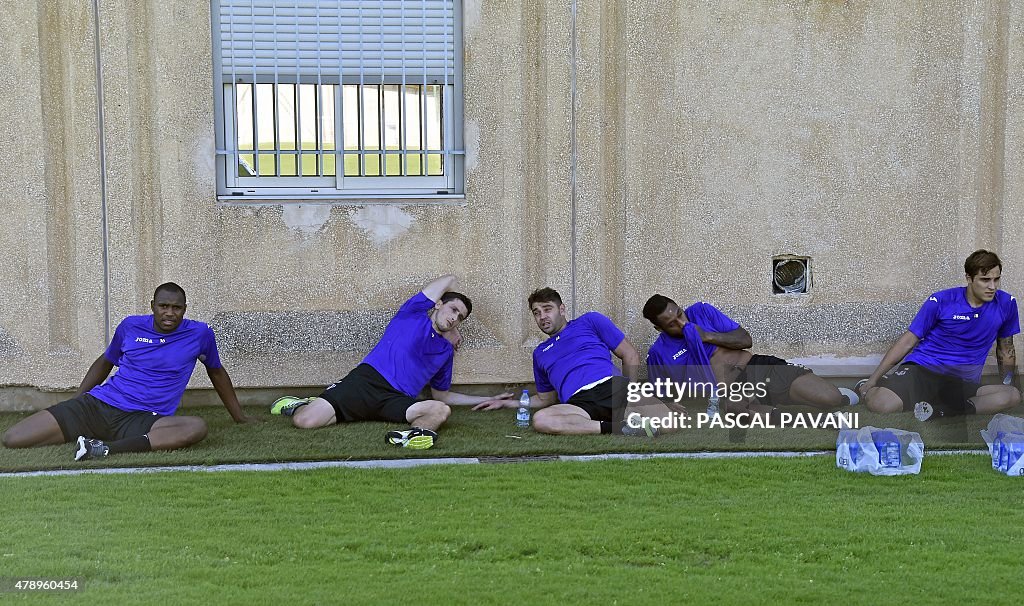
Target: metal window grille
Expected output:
[324,98]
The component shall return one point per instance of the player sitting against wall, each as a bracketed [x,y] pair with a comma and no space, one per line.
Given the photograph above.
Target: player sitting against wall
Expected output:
[579,389]
[134,410]
[701,343]
[415,349]
[941,356]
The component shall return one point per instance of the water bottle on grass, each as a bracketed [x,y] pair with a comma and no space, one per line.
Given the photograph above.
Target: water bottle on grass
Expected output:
[713,409]
[523,414]
[888,446]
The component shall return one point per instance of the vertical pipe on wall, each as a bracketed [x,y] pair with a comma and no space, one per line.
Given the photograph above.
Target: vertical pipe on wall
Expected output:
[100,127]
[572,164]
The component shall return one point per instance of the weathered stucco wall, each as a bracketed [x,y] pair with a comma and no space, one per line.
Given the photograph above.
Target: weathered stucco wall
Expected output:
[882,140]
[866,136]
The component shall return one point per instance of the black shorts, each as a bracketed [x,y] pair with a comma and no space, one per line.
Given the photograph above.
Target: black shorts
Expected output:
[776,374]
[93,418]
[604,402]
[364,395]
[914,383]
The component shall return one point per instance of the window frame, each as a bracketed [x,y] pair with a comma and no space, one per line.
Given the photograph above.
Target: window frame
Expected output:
[232,187]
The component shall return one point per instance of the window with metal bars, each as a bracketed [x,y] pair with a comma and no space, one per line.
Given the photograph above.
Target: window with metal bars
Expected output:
[334,98]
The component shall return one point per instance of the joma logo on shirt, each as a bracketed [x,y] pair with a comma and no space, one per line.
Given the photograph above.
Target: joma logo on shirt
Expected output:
[959,317]
[678,353]
[143,340]
[547,348]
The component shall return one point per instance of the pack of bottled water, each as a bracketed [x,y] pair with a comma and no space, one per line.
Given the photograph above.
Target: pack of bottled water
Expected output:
[1005,439]
[880,452]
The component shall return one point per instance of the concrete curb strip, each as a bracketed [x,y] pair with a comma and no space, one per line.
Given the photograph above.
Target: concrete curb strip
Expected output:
[407,463]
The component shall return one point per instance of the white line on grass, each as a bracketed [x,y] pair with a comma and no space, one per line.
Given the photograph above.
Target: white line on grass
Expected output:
[296,466]
[406,463]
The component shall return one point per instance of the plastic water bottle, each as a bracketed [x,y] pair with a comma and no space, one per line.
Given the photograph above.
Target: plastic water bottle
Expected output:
[523,414]
[888,448]
[848,437]
[851,438]
[713,409]
[1012,450]
[999,452]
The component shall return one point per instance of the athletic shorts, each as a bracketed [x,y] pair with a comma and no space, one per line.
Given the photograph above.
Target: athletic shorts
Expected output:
[364,395]
[604,401]
[93,418]
[776,374]
[914,383]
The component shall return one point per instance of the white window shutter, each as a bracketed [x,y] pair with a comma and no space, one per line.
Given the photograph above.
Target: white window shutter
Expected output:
[369,41]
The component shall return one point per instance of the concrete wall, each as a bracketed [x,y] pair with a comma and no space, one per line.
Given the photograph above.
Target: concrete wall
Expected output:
[881,139]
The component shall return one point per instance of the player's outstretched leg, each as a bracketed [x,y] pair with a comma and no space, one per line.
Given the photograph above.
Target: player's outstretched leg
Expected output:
[995,398]
[565,419]
[313,414]
[166,433]
[40,429]
[883,400]
[812,390]
[171,433]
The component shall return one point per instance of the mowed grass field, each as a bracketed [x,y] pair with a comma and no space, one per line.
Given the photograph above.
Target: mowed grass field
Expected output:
[746,531]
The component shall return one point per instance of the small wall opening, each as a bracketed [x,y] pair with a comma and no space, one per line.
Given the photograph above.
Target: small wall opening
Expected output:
[791,275]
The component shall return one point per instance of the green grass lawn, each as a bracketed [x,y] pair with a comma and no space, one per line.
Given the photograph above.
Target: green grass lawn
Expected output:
[628,532]
[467,433]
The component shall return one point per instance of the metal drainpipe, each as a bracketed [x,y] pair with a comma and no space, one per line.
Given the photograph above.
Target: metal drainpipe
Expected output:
[101,128]
[572,167]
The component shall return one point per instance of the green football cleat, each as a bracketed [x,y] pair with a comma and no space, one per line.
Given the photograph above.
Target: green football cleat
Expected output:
[286,406]
[415,438]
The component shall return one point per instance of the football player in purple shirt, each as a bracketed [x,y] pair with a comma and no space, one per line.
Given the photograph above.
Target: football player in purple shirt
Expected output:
[941,356]
[134,410]
[579,389]
[416,349]
[701,338]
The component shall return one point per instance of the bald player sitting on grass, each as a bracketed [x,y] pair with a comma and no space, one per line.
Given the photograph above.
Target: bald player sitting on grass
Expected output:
[415,349]
[701,338]
[134,410]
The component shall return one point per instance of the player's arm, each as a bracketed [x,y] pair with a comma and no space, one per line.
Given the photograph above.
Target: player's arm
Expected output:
[439,286]
[226,390]
[1006,358]
[454,398]
[96,374]
[737,338]
[539,400]
[899,350]
[630,359]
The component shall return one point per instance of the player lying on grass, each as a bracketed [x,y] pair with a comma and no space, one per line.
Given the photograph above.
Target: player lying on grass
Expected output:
[134,410]
[944,351]
[579,389]
[415,349]
[701,343]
